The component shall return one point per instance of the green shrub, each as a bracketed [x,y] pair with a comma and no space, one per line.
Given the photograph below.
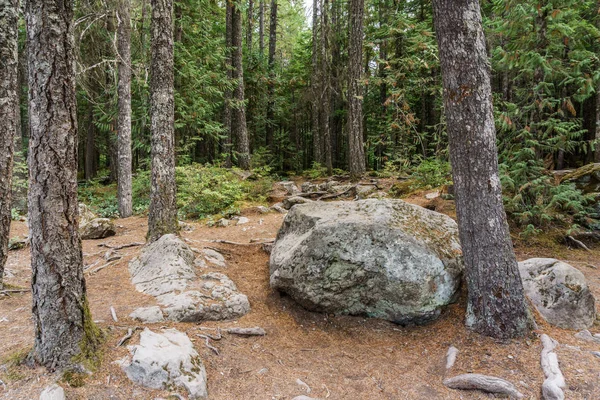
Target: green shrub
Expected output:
[431,173]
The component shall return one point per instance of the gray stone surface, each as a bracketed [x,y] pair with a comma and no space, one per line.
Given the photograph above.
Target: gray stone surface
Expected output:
[292,201]
[290,187]
[165,359]
[166,269]
[53,392]
[214,257]
[148,315]
[163,266]
[381,258]
[559,292]
[213,297]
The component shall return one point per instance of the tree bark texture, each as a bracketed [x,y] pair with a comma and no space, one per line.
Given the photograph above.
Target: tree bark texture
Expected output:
[9,116]
[271,65]
[250,21]
[315,86]
[162,216]
[239,110]
[597,133]
[228,93]
[60,313]
[91,164]
[325,87]
[356,151]
[261,27]
[496,303]
[124,105]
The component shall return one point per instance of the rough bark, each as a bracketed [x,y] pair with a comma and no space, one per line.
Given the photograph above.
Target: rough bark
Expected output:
[9,116]
[162,216]
[326,87]
[356,151]
[261,28]
[228,93]
[239,129]
[496,303]
[270,128]
[597,133]
[314,82]
[124,106]
[250,20]
[62,321]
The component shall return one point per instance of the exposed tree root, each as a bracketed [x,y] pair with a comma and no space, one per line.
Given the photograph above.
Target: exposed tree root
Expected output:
[555,381]
[486,383]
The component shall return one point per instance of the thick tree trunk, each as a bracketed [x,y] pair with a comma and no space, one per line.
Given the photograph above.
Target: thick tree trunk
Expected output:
[271,86]
[326,87]
[239,111]
[9,115]
[62,321]
[315,86]
[124,106]
[496,303]
[356,151]
[162,216]
[227,95]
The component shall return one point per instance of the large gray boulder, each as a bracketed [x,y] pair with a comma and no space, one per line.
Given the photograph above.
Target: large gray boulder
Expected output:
[381,258]
[162,360]
[559,292]
[166,269]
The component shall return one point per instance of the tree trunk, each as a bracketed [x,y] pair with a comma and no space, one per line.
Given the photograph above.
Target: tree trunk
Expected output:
[496,303]
[315,85]
[62,321]
[239,110]
[124,106]
[597,136]
[356,151]
[162,216]
[227,95]
[250,25]
[271,66]
[261,28]
[90,166]
[326,87]
[9,115]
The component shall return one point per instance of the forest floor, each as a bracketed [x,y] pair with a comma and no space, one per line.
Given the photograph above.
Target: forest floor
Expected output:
[338,357]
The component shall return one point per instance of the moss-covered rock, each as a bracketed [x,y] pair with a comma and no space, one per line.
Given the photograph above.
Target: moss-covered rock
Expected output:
[381,258]
[586,178]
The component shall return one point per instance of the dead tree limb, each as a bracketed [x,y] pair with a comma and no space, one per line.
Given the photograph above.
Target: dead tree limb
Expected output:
[128,336]
[555,381]
[576,243]
[256,331]
[207,343]
[123,246]
[486,383]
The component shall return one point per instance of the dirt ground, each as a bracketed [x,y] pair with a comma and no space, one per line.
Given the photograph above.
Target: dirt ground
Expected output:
[338,357]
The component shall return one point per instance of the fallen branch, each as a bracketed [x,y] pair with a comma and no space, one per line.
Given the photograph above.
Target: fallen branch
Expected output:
[334,195]
[8,291]
[486,383]
[114,314]
[555,381]
[100,268]
[207,343]
[451,357]
[127,336]
[230,242]
[123,246]
[256,331]
[576,243]
[310,194]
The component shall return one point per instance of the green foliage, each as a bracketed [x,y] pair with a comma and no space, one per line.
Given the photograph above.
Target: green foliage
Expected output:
[202,191]
[431,173]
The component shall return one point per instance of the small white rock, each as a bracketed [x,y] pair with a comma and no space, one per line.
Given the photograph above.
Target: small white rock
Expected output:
[242,221]
[53,392]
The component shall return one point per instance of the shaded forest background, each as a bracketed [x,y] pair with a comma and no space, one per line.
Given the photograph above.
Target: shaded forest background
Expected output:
[544,56]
